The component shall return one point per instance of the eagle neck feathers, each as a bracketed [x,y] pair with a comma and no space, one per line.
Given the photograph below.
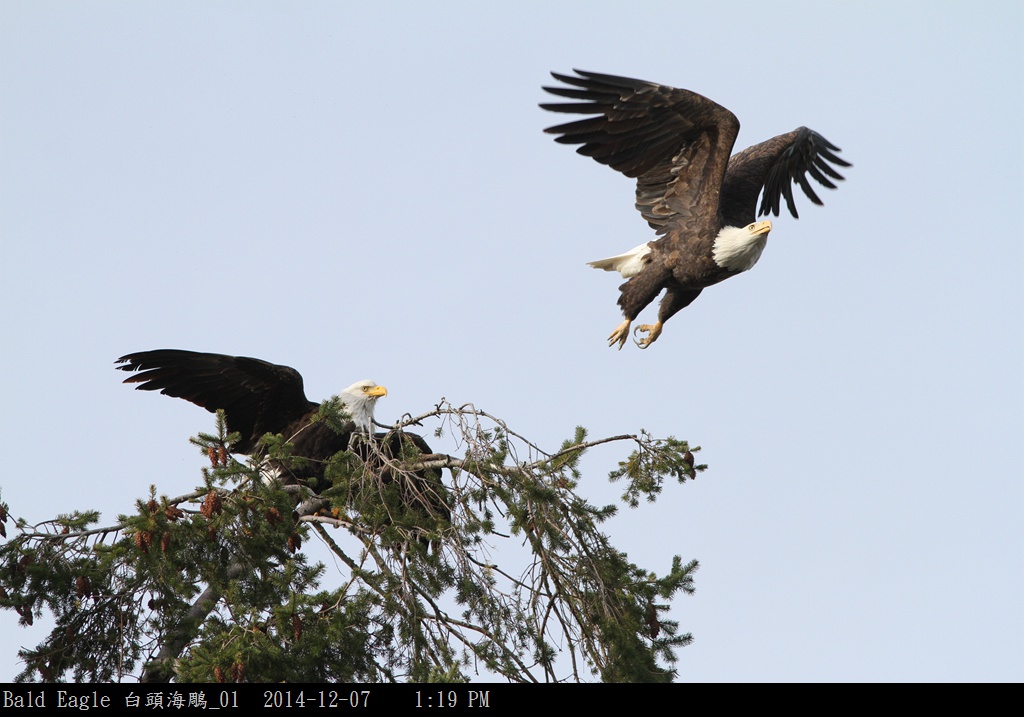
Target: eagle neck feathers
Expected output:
[736,249]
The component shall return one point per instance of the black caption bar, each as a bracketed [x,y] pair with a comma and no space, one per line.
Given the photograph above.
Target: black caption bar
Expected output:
[311,698]
[314,698]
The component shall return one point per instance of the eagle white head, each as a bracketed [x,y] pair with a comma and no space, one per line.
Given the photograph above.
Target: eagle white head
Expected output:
[738,249]
[360,399]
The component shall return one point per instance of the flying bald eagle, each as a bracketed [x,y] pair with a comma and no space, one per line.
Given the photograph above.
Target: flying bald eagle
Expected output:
[259,397]
[701,202]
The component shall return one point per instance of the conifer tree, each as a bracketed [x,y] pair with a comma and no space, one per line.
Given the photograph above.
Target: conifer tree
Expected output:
[441,568]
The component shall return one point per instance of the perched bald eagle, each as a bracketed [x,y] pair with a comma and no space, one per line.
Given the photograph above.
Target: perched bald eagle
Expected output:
[260,397]
[700,202]
[257,397]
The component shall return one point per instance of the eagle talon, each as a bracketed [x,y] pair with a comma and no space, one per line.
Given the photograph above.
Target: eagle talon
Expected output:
[652,331]
[620,334]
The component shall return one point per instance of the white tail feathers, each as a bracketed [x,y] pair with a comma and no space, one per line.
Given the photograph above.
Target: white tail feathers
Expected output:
[629,264]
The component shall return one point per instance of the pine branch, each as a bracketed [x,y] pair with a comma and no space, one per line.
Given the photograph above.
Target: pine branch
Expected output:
[223,591]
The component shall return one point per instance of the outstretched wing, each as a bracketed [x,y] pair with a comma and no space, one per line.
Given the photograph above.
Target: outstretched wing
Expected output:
[773,167]
[258,397]
[675,142]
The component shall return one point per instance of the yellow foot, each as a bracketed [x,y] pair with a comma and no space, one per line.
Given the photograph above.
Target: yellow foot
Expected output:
[620,334]
[653,332]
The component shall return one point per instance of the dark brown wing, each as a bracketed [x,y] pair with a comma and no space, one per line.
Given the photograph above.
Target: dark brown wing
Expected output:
[258,397]
[427,492]
[415,500]
[676,143]
[774,166]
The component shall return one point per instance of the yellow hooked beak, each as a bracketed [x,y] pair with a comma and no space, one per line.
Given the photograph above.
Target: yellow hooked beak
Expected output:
[375,391]
[759,228]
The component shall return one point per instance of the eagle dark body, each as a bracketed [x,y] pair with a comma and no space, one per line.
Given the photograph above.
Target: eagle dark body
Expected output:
[676,144]
[259,397]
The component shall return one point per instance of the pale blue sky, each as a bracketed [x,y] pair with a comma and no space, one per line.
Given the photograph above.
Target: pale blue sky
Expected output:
[364,190]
